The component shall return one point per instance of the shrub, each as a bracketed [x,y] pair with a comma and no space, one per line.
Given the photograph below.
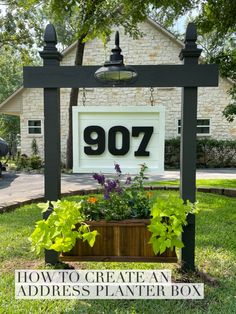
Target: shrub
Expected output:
[35,162]
[28,163]
[34,147]
[216,153]
[22,162]
[210,153]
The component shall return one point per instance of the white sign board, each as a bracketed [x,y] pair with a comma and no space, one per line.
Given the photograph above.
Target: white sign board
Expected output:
[129,136]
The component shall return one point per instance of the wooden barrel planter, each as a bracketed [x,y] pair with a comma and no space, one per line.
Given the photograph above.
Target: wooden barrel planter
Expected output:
[119,241]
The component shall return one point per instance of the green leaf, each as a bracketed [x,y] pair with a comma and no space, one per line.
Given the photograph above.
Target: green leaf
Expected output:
[58,231]
[162,247]
[43,206]
[90,237]
[177,243]
[156,246]
[168,243]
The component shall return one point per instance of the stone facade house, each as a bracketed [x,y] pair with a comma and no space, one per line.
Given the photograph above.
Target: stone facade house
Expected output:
[157,46]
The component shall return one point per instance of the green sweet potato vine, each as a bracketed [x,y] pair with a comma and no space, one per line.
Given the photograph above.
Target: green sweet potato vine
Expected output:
[169,215]
[58,232]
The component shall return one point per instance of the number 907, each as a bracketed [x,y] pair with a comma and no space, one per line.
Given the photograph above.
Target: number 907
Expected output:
[100,140]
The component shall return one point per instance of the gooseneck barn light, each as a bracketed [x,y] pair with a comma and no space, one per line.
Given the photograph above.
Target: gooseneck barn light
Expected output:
[114,71]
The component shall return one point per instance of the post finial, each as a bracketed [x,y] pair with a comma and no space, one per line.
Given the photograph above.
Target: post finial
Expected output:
[117,39]
[50,51]
[190,51]
[50,35]
[191,33]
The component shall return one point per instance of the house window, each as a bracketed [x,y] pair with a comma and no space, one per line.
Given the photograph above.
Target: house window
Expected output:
[203,126]
[34,127]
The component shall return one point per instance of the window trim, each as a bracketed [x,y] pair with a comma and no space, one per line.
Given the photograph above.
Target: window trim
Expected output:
[198,134]
[37,127]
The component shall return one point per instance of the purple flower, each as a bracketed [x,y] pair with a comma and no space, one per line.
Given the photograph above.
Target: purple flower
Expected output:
[117,168]
[106,196]
[128,180]
[110,185]
[100,178]
[119,190]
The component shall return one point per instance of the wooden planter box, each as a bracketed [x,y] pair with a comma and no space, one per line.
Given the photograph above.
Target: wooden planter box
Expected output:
[123,241]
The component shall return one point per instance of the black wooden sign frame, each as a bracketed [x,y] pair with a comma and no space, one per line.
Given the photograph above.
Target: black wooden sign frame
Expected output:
[189,76]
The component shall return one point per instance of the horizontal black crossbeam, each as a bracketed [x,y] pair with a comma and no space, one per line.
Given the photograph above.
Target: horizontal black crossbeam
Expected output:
[189,75]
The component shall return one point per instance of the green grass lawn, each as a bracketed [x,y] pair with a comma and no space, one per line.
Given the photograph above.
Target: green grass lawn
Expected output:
[215,254]
[220,183]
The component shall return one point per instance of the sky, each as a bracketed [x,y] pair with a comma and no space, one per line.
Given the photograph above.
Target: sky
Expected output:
[2,7]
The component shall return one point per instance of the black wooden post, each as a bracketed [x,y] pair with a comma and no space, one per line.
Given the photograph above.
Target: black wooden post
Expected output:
[52,150]
[190,55]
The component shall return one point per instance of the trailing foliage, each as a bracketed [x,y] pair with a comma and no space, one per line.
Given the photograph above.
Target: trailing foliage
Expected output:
[169,215]
[59,232]
[211,153]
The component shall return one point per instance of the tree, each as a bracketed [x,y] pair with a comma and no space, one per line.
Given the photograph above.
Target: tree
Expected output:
[225,56]
[9,131]
[10,73]
[20,29]
[10,79]
[217,22]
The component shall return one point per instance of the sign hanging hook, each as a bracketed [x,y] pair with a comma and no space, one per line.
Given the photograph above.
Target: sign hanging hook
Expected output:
[84,97]
[151,96]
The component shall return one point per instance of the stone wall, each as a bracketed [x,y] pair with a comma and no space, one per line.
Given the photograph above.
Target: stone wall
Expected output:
[32,110]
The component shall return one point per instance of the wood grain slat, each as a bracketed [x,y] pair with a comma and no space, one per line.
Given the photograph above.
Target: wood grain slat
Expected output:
[125,240]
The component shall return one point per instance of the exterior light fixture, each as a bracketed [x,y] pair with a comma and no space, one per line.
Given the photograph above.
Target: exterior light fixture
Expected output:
[114,71]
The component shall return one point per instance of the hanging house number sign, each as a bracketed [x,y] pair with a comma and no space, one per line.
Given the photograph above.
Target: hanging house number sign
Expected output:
[129,136]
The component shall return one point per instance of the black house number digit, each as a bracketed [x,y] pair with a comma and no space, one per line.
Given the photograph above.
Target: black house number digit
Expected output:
[147,133]
[97,144]
[113,150]
[99,140]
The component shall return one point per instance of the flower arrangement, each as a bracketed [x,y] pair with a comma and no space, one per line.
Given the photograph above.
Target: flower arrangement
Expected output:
[123,197]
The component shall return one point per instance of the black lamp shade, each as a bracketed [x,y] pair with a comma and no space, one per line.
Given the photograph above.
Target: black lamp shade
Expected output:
[115,74]
[114,71]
